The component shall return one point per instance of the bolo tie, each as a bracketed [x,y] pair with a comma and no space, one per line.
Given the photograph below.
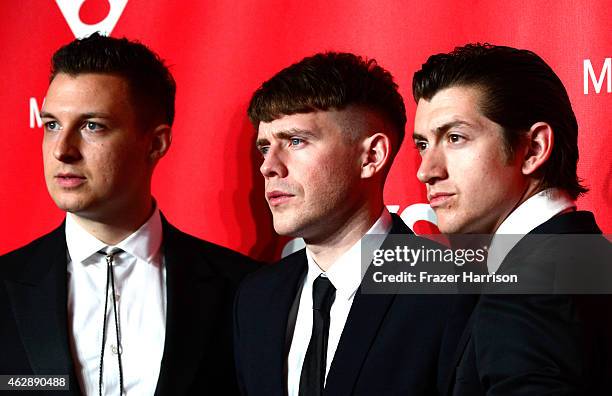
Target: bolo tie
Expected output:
[110,284]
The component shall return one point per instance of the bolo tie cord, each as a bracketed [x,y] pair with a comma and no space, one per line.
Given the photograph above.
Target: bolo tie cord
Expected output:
[110,279]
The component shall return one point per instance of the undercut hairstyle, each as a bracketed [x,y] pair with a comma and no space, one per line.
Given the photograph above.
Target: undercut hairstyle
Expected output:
[151,84]
[330,81]
[517,89]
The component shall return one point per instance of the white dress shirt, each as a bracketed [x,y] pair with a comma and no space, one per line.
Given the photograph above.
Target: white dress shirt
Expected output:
[140,285]
[535,211]
[345,274]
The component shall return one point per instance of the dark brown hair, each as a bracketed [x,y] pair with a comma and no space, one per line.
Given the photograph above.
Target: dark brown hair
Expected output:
[331,80]
[150,81]
[517,90]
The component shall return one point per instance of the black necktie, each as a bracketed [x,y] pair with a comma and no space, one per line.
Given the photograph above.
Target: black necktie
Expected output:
[313,369]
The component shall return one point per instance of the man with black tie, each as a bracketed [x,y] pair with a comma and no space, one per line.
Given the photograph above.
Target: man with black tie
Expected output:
[498,141]
[328,128]
[116,297]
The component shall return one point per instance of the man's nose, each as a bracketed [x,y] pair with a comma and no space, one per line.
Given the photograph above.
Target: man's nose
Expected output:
[433,166]
[273,164]
[67,146]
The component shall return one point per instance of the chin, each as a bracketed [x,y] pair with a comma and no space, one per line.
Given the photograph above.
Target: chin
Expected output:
[448,227]
[289,227]
[284,229]
[64,205]
[69,204]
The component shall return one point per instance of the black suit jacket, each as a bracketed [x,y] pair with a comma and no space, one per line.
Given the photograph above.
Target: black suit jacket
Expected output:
[201,281]
[540,344]
[391,344]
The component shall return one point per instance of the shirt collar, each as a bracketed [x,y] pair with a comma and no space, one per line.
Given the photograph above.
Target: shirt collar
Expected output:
[346,272]
[143,244]
[81,244]
[535,211]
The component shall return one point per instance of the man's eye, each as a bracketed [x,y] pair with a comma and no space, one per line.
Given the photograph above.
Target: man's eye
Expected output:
[93,126]
[296,141]
[454,138]
[420,145]
[263,149]
[52,126]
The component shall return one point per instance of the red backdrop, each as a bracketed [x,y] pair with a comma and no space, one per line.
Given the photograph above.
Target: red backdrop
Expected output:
[209,184]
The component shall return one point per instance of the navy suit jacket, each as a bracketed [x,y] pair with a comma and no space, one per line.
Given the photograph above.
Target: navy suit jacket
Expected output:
[391,343]
[546,344]
[201,281]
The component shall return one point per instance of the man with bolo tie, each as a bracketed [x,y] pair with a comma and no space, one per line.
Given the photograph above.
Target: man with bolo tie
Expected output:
[116,297]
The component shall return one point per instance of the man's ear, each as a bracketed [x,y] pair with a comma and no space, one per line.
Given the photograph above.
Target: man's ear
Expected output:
[376,154]
[160,142]
[539,146]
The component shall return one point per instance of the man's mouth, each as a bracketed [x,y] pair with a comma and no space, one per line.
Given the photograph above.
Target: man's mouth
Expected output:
[438,199]
[276,197]
[69,180]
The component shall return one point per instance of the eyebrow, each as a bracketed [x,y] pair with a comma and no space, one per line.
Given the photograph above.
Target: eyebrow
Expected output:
[45,114]
[286,135]
[441,129]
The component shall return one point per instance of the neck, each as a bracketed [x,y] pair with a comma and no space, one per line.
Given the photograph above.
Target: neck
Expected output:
[327,249]
[113,229]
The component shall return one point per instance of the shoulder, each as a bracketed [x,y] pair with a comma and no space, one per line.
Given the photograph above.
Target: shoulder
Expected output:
[14,263]
[281,268]
[571,247]
[44,242]
[283,271]
[221,260]
[576,222]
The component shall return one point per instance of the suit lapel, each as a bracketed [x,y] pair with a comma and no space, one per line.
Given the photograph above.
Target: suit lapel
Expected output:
[193,296]
[362,325]
[466,336]
[360,330]
[293,311]
[38,294]
[274,339]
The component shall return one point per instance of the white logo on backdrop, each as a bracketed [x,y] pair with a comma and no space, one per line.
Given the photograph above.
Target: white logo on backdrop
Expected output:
[70,9]
[410,215]
[604,76]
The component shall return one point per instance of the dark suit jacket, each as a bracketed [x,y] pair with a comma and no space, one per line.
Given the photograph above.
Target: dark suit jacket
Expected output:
[201,282]
[391,344]
[540,344]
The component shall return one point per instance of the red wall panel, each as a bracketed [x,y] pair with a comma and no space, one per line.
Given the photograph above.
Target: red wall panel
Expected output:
[220,52]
